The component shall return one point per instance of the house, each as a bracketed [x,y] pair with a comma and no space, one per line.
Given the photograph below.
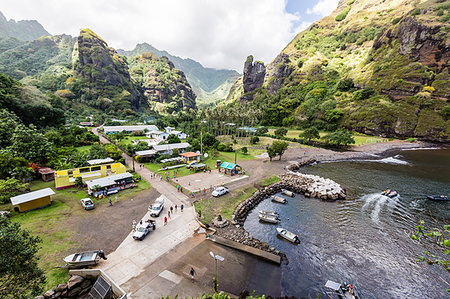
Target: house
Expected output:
[129,129]
[86,124]
[109,185]
[179,134]
[230,167]
[167,149]
[146,155]
[66,178]
[160,135]
[99,161]
[33,200]
[190,157]
[47,174]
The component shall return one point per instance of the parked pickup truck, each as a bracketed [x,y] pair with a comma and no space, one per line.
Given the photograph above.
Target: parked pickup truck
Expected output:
[143,229]
[156,208]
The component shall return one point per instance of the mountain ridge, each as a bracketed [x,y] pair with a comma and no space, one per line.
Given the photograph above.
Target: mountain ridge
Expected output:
[24,30]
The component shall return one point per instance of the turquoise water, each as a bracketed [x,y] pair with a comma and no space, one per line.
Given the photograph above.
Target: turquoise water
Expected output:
[364,239]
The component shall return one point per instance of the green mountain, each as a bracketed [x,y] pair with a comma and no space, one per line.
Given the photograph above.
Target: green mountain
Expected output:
[22,30]
[378,67]
[209,84]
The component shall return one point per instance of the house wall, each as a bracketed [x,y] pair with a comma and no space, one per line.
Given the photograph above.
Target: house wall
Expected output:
[37,203]
[65,179]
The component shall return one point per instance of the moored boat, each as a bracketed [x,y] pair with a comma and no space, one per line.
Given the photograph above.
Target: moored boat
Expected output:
[84,259]
[287,192]
[270,213]
[284,233]
[438,197]
[344,290]
[278,199]
[268,218]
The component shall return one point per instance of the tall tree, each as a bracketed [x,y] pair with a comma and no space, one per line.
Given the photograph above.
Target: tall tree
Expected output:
[20,276]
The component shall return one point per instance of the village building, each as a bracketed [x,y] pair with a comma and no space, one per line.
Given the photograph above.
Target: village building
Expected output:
[190,157]
[146,155]
[100,161]
[179,134]
[159,135]
[86,124]
[66,178]
[109,185]
[33,200]
[167,149]
[231,168]
[47,174]
[129,129]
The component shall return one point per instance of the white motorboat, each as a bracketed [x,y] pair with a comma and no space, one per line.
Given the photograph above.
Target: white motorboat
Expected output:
[278,199]
[84,259]
[344,290]
[268,218]
[287,192]
[270,213]
[288,235]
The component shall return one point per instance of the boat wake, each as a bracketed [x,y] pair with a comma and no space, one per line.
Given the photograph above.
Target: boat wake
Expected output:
[375,203]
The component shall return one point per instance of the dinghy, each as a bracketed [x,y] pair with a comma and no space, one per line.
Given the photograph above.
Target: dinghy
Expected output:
[390,193]
[268,218]
[288,235]
[344,290]
[287,192]
[278,199]
[84,259]
[438,197]
[270,213]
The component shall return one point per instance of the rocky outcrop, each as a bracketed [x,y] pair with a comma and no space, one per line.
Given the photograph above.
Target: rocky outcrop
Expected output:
[279,70]
[254,74]
[76,287]
[23,30]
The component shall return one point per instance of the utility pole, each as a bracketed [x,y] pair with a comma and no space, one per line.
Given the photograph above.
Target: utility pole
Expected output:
[201,142]
[216,258]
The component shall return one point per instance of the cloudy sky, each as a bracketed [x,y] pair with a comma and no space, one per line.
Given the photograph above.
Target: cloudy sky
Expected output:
[217,33]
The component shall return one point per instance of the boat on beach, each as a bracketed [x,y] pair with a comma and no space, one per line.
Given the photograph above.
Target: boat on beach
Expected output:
[438,197]
[278,199]
[343,291]
[268,218]
[270,213]
[287,192]
[284,233]
[84,259]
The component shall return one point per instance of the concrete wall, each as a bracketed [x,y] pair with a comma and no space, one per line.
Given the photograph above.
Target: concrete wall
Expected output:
[63,179]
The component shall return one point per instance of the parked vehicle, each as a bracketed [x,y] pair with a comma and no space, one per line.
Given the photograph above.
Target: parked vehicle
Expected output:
[4,213]
[344,290]
[87,204]
[220,191]
[284,233]
[156,208]
[84,259]
[278,199]
[142,230]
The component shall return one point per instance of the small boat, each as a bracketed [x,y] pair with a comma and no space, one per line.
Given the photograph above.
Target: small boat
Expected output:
[84,259]
[287,192]
[390,193]
[270,213]
[279,199]
[438,197]
[268,218]
[344,290]
[288,235]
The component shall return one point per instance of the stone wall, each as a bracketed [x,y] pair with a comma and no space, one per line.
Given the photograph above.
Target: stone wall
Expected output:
[76,287]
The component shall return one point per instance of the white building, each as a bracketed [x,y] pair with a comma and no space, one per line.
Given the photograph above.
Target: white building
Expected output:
[117,129]
[167,149]
[160,135]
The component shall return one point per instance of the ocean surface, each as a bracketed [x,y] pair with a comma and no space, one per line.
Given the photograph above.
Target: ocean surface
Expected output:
[364,240]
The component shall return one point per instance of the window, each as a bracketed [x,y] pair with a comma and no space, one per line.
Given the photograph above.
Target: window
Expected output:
[108,166]
[95,168]
[84,170]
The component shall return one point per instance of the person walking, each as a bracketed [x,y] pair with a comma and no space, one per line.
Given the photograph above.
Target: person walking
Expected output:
[134,225]
[168,213]
[176,207]
[171,209]
[192,272]
[110,202]
[165,220]
[117,199]
[182,207]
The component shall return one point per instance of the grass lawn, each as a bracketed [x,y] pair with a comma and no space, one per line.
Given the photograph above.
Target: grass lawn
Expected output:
[52,226]
[128,139]
[84,148]
[225,205]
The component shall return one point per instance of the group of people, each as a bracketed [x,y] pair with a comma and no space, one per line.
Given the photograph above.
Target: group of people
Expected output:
[170,212]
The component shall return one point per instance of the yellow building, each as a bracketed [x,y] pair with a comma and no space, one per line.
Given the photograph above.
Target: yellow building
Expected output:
[33,200]
[66,178]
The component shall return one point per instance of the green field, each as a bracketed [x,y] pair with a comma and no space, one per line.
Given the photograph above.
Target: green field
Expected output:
[128,139]
[52,226]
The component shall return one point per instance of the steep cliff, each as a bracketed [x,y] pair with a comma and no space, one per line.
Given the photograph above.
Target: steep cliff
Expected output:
[164,86]
[379,67]
[26,30]
[254,73]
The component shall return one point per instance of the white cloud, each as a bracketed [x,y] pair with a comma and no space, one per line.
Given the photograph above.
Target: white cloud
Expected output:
[218,33]
[323,7]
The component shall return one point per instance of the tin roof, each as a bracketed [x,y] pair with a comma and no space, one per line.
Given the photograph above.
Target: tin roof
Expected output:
[166,147]
[109,180]
[190,154]
[30,196]
[100,161]
[228,165]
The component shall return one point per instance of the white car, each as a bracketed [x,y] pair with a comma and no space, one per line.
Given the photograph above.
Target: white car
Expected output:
[87,204]
[143,229]
[220,191]
[156,208]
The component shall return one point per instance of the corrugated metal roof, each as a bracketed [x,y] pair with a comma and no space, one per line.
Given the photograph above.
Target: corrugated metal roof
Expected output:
[146,153]
[17,200]
[166,147]
[228,165]
[110,129]
[99,161]
[109,180]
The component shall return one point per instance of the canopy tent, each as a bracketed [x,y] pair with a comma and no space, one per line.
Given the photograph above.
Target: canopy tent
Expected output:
[229,165]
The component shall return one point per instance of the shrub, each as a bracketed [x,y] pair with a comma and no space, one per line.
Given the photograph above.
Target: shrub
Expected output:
[363,94]
[224,147]
[429,89]
[244,150]
[445,112]
[343,14]
[300,63]
[280,132]
[254,139]
[345,84]
[416,11]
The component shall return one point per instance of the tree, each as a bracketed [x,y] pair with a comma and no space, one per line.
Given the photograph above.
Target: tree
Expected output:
[172,138]
[254,140]
[244,150]
[310,133]
[209,139]
[345,84]
[339,138]
[97,152]
[27,142]
[20,276]
[277,148]
[10,166]
[79,182]
[280,132]
[11,187]
[262,130]
[438,240]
